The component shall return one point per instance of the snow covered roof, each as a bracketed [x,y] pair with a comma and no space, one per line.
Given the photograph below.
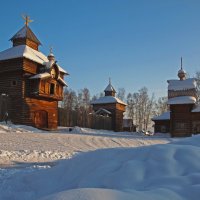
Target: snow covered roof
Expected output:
[47,75]
[23,51]
[102,110]
[62,70]
[26,52]
[108,99]
[182,100]
[109,88]
[62,81]
[186,84]
[25,32]
[42,75]
[196,108]
[163,116]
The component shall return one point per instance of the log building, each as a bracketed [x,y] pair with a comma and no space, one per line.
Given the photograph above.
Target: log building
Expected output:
[183,118]
[32,81]
[111,105]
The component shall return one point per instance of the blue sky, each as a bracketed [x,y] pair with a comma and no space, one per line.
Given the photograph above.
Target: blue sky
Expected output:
[135,42]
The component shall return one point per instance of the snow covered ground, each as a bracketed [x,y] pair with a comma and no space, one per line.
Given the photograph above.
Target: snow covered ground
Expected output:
[19,143]
[107,167]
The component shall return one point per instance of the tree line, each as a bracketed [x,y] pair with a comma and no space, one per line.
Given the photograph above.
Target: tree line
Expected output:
[141,106]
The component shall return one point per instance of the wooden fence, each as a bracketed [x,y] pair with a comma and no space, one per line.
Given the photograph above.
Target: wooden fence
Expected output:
[4,104]
[70,118]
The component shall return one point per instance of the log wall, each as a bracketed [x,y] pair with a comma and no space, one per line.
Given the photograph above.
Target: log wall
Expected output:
[181,120]
[162,126]
[117,111]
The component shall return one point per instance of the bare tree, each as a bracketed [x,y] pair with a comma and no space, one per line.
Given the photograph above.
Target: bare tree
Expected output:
[86,98]
[197,76]
[121,94]
[70,99]
[149,110]
[130,107]
[140,108]
[161,105]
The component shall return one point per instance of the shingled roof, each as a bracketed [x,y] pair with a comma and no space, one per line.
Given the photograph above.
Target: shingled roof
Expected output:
[26,32]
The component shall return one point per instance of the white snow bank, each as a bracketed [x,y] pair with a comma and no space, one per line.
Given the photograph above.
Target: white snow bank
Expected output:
[158,172]
[11,157]
[107,194]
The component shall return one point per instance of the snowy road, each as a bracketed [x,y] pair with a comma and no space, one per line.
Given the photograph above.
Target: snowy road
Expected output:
[26,144]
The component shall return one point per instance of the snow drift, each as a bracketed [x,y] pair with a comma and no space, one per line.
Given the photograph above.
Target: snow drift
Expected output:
[169,171]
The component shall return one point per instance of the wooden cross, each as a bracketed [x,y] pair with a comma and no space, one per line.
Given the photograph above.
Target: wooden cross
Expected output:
[27,19]
[51,49]
[181,64]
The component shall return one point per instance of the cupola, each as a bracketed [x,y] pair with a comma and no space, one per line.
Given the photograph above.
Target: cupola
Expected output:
[182,73]
[110,91]
[51,56]
[25,36]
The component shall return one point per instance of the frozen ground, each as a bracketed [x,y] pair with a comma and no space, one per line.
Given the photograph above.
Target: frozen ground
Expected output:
[20,143]
[99,165]
[153,172]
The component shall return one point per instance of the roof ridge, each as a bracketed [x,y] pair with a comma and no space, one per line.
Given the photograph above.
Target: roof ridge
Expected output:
[26,32]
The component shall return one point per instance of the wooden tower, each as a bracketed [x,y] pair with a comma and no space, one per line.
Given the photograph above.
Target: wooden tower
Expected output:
[33,82]
[182,96]
[112,104]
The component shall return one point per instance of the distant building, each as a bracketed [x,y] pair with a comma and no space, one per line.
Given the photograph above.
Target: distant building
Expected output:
[33,82]
[183,118]
[112,106]
[128,125]
[162,123]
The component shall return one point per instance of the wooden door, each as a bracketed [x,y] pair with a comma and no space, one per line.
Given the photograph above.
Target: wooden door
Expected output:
[41,119]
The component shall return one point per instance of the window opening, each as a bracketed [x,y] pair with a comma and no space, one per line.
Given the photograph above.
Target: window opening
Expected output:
[52,88]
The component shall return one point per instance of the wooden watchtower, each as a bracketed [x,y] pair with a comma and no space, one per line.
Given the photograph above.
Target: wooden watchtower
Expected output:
[112,104]
[33,82]
[182,96]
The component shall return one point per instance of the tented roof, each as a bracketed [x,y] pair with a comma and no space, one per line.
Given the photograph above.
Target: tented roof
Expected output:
[26,32]
[109,88]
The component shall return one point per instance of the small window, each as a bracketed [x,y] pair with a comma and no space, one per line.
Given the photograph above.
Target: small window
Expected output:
[13,83]
[52,88]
